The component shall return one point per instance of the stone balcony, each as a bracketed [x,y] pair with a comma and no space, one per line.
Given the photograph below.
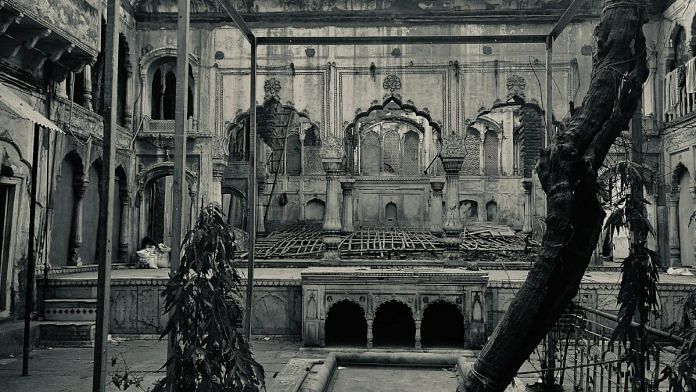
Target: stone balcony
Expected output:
[679,104]
[82,122]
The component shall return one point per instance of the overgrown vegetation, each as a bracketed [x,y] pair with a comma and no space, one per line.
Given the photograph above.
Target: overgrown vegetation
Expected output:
[204,301]
[681,372]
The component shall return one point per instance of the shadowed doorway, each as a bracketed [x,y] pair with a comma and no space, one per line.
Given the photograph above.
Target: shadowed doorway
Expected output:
[443,325]
[394,325]
[346,325]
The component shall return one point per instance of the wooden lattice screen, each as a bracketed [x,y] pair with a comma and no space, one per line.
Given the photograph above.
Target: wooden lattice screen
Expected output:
[472,160]
[369,154]
[490,154]
[391,152]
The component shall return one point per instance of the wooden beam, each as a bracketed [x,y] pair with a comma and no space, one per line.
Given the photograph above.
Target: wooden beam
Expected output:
[31,253]
[549,91]
[404,40]
[106,218]
[252,189]
[565,18]
[179,180]
[238,19]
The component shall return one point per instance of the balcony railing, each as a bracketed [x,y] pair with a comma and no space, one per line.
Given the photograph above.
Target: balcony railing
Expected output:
[678,101]
[166,126]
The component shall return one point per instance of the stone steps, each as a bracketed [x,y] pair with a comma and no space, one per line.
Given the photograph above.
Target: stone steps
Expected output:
[67,333]
[69,322]
[70,309]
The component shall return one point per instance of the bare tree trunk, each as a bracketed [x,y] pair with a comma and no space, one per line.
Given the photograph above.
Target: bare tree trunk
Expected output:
[568,174]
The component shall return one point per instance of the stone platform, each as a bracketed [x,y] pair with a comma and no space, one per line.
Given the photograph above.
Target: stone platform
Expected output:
[282,295]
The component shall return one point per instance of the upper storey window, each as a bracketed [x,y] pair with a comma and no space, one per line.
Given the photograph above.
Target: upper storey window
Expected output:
[163,90]
[679,47]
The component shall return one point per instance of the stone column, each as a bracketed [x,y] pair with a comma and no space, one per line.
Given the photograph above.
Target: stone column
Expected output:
[128,104]
[79,186]
[453,223]
[369,333]
[301,136]
[452,155]
[435,211]
[527,222]
[62,89]
[674,245]
[347,222]
[216,192]
[418,334]
[332,214]
[125,226]
[87,91]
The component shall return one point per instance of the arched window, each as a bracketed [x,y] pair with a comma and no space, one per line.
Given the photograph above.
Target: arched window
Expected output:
[391,153]
[312,153]
[369,154]
[293,156]
[492,211]
[679,46]
[472,159]
[163,90]
[75,87]
[409,164]
[490,154]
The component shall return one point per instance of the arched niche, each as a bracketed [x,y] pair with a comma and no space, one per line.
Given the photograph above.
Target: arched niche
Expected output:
[443,325]
[345,325]
[391,138]
[393,325]
[314,210]
[491,211]
[155,201]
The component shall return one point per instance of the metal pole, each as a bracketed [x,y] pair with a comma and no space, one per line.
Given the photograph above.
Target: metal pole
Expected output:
[106,217]
[31,254]
[549,90]
[252,188]
[179,180]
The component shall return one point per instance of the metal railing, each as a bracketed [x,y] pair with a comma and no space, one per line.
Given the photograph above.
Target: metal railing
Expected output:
[578,355]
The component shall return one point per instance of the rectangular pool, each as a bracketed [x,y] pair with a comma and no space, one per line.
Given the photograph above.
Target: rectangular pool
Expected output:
[392,379]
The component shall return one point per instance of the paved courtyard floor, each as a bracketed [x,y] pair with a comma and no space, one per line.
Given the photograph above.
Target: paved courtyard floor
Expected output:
[70,369]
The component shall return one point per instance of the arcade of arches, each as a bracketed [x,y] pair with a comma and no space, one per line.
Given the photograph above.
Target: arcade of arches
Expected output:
[394,325]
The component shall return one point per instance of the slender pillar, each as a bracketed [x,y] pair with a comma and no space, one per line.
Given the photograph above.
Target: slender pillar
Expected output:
[369,333]
[332,214]
[216,192]
[124,234]
[435,211]
[347,222]
[418,334]
[260,207]
[128,105]
[549,90]
[453,223]
[87,91]
[527,223]
[79,186]
[674,245]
